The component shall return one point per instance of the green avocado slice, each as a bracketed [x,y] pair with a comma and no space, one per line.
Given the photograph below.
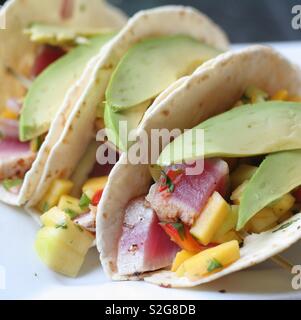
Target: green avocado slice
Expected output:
[277,175]
[244,131]
[131,118]
[150,66]
[47,93]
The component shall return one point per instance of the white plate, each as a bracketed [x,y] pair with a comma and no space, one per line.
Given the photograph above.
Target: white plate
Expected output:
[27,278]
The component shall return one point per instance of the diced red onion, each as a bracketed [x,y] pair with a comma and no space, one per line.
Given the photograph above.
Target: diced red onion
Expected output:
[67,9]
[14,105]
[9,128]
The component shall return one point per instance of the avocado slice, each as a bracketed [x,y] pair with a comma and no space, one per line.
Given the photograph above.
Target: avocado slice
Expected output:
[48,91]
[131,118]
[60,35]
[277,175]
[248,130]
[150,66]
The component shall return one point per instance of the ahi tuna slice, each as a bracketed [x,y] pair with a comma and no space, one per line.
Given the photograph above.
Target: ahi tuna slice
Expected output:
[143,246]
[16,158]
[190,193]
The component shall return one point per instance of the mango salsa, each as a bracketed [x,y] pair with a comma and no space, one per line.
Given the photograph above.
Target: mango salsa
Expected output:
[282,205]
[238,192]
[230,235]
[211,219]
[229,224]
[241,174]
[61,244]
[181,257]
[263,221]
[210,261]
[70,205]
[93,185]
[57,189]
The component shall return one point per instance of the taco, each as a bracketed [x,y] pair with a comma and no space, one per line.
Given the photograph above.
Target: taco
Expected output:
[175,228]
[45,47]
[155,49]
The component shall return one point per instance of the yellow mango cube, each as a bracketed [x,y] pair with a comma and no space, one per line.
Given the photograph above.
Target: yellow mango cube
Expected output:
[282,205]
[263,221]
[229,236]
[281,95]
[238,192]
[181,257]
[211,219]
[57,255]
[8,114]
[93,185]
[241,174]
[58,188]
[287,215]
[70,205]
[229,224]
[210,261]
[61,244]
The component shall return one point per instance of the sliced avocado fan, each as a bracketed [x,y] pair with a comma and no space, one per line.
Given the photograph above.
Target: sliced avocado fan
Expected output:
[278,174]
[146,70]
[47,93]
[249,130]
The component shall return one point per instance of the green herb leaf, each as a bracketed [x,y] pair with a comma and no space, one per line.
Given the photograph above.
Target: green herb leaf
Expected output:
[8,184]
[286,225]
[168,182]
[180,228]
[71,213]
[213,265]
[62,225]
[79,227]
[84,202]
[45,207]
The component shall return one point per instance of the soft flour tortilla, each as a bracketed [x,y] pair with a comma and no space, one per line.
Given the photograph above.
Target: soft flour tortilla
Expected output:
[214,88]
[18,52]
[169,20]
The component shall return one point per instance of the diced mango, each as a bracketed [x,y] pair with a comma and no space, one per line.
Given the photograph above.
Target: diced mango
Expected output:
[7,114]
[229,236]
[61,244]
[54,217]
[229,224]
[211,219]
[181,257]
[57,189]
[280,95]
[238,192]
[74,236]
[282,205]
[210,261]
[241,174]
[263,221]
[93,185]
[70,205]
[285,216]
[57,255]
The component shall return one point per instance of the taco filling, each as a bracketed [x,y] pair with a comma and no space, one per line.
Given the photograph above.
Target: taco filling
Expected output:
[197,223]
[62,53]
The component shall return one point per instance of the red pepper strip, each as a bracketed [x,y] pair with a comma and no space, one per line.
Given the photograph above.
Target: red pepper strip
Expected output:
[180,234]
[96,198]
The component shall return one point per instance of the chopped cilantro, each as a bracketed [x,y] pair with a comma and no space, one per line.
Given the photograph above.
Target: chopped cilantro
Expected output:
[71,213]
[62,225]
[45,207]
[84,202]
[181,230]
[167,182]
[8,184]
[213,265]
